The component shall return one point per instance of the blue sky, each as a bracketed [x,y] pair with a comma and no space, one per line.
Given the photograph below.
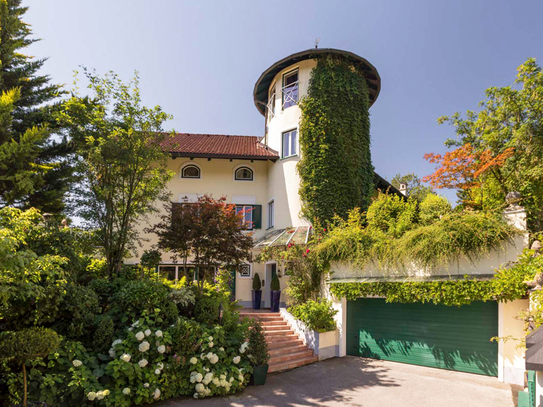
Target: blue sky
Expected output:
[200,59]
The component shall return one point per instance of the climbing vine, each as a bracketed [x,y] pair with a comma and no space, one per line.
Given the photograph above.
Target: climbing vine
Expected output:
[335,169]
[508,284]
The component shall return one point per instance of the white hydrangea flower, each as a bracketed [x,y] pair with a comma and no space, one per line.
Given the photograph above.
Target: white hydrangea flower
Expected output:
[140,335]
[223,382]
[126,357]
[211,344]
[206,369]
[236,360]
[200,388]
[223,377]
[126,391]
[202,356]
[160,365]
[77,363]
[143,363]
[156,394]
[193,360]
[116,342]
[112,354]
[216,381]
[161,349]
[208,378]
[147,332]
[146,385]
[137,323]
[91,395]
[227,387]
[100,395]
[106,392]
[157,371]
[130,329]
[195,395]
[231,380]
[242,350]
[158,334]
[144,346]
[241,378]
[221,349]
[214,359]
[210,339]
[199,377]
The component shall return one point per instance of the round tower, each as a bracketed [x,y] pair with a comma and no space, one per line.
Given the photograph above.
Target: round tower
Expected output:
[276,96]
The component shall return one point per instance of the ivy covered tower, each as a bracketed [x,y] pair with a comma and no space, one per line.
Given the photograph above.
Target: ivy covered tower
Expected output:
[316,108]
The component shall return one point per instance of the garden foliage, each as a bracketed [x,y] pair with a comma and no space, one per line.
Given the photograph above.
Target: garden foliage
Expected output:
[316,315]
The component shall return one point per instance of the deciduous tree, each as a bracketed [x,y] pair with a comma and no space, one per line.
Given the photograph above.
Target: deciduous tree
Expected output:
[121,164]
[499,148]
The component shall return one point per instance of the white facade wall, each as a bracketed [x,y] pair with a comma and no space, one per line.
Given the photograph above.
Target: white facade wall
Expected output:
[283,179]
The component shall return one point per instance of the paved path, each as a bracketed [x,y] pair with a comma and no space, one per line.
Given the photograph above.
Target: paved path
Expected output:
[353,381]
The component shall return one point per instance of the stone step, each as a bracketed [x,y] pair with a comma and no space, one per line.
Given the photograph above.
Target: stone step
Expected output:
[287,350]
[261,315]
[274,327]
[274,322]
[308,353]
[291,364]
[277,344]
[285,333]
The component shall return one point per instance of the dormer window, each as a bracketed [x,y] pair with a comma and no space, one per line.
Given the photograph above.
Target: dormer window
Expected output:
[290,89]
[190,171]
[243,174]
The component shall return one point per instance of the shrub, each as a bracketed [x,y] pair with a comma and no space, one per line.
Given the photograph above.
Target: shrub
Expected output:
[206,310]
[391,214]
[316,315]
[258,347]
[257,284]
[103,335]
[433,208]
[135,298]
[79,307]
[27,345]
[275,286]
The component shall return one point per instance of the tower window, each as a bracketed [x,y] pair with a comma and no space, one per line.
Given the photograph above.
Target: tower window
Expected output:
[290,89]
[190,171]
[243,174]
[289,143]
[271,103]
[271,214]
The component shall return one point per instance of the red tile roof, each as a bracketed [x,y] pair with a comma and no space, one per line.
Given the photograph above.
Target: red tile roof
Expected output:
[218,146]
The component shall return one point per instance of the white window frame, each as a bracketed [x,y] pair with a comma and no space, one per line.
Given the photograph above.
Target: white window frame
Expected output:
[271,214]
[291,154]
[246,225]
[286,90]
[239,167]
[250,271]
[190,164]
[271,102]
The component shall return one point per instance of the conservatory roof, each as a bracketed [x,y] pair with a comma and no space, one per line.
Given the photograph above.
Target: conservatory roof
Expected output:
[283,237]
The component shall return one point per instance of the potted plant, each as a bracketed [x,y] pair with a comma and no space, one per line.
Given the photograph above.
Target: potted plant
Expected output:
[27,345]
[257,291]
[258,353]
[275,293]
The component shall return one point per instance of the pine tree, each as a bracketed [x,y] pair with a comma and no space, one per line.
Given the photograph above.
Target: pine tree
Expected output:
[32,169]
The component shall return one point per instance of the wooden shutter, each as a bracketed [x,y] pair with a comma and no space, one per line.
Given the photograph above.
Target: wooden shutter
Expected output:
[257,216]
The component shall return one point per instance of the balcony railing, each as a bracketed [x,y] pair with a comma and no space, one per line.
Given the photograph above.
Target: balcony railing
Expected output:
[290,94]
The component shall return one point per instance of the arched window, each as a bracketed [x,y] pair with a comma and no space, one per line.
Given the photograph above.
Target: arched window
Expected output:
[244,174]
[190,171]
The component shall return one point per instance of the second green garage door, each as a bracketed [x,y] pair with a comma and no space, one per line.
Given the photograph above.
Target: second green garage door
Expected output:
[455,338]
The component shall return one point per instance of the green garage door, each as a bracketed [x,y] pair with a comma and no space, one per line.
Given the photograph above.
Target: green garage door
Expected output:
[455,338]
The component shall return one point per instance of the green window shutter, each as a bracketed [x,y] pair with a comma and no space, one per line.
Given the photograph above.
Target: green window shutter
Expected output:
[257,216]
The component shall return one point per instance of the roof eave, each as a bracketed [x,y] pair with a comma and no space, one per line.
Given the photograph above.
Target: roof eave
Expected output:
[176,154]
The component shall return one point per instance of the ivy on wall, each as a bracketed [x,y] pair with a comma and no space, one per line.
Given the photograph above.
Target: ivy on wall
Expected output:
[335,169]
[508,284]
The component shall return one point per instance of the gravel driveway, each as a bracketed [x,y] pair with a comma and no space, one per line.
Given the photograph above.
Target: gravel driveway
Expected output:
[353,381]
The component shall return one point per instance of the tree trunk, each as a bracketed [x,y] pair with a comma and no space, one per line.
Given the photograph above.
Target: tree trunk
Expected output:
[25,402]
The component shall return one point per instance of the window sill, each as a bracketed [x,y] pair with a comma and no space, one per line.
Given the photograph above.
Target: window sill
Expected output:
[271,227]
[290,157]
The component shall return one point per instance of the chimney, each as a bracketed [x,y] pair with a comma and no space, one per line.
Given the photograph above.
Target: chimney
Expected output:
[403,189]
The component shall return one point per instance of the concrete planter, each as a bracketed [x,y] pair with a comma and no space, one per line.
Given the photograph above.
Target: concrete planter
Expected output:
[324,344]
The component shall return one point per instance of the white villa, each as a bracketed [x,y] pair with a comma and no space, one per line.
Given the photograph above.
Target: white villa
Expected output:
[259,173]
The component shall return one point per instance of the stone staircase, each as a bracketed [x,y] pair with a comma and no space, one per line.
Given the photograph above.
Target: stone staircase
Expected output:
[287,350]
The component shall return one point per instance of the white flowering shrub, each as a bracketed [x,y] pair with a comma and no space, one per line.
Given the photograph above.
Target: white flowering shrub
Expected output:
[134,373]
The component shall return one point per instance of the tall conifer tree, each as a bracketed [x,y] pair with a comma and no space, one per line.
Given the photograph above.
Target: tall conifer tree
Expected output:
[32,169]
